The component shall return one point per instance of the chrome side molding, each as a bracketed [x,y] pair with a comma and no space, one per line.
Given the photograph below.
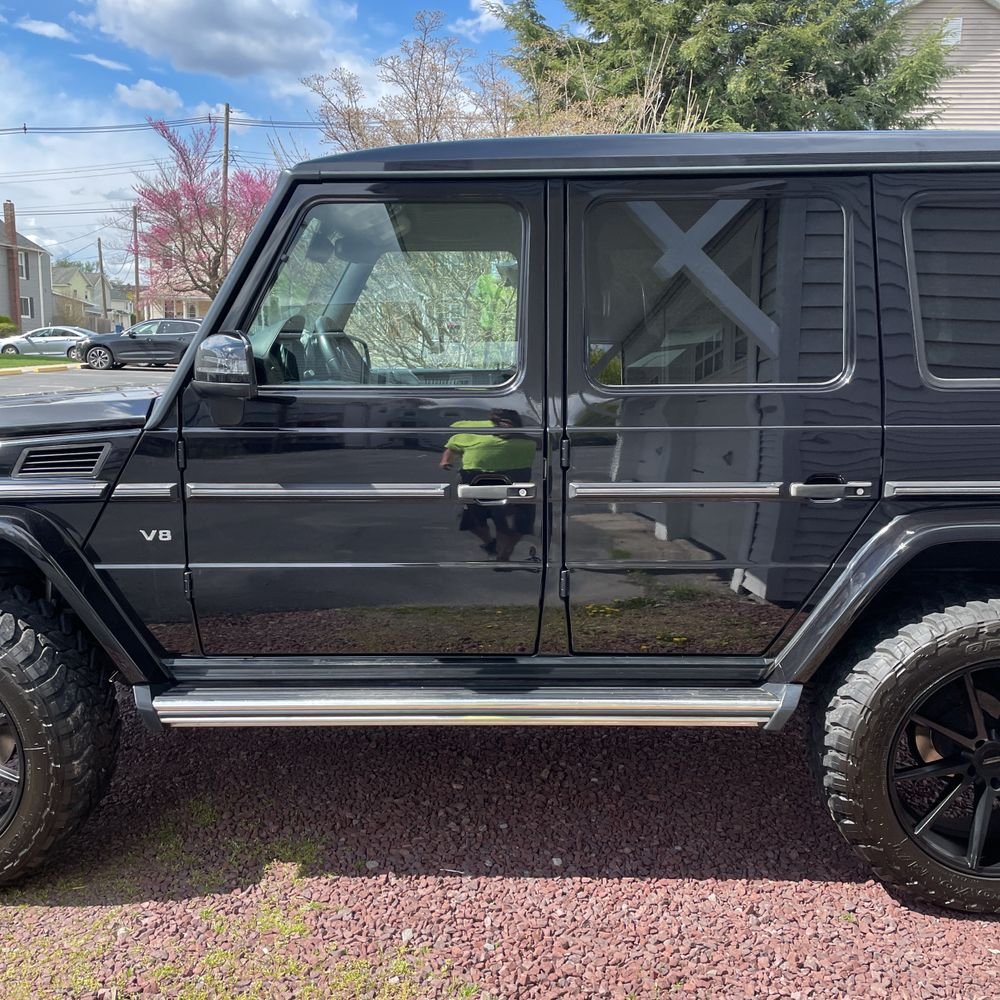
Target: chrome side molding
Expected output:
[319,491]
[942,488]
[40,489]
[767,706]
[673,491]
[144,491]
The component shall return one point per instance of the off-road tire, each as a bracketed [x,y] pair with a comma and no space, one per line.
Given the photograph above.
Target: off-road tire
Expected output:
[57,689]
[857,715]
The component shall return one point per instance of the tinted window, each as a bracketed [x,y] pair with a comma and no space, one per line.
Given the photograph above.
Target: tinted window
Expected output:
[172,328]
[724,291]
[395,294]
[955,259]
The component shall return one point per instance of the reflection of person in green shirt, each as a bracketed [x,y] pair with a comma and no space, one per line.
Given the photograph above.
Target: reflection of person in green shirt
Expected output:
[501,457]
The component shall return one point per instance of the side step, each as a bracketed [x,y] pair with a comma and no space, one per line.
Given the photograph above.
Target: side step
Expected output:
[767,706]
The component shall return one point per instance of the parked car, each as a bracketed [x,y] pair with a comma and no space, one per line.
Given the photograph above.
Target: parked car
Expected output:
[652,430]
[156,342]
[47,341]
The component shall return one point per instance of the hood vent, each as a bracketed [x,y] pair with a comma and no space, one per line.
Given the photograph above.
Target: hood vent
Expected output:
[81,461]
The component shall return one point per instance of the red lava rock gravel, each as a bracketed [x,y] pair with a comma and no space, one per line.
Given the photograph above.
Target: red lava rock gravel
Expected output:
[473,863]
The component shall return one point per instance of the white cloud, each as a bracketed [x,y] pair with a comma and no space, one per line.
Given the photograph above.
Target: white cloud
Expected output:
[475,27]
[233,38]
[148,96]
[47,29]
[106,63]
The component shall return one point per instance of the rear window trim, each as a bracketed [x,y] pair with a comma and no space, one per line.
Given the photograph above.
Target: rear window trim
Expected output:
[849,325]
[981,197]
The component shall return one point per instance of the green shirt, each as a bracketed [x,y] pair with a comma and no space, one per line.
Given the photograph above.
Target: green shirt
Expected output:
[495,452]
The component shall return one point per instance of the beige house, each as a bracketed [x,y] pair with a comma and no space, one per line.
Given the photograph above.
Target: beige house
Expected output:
[970,98]
[190,305]
[73,284]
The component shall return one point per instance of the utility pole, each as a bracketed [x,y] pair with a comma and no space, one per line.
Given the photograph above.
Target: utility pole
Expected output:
[104,287]
[225,192]
[135,247]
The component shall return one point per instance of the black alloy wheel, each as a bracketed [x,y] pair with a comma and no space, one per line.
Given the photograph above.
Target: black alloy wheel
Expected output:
[944,774]
[11,768]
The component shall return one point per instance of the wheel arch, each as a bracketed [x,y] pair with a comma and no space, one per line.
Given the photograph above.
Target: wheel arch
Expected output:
[33,543]
[877,576]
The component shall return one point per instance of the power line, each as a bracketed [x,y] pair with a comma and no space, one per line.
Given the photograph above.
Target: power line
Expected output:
[25,129]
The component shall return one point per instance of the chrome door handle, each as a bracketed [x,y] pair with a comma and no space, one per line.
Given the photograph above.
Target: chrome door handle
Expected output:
[497,493]
[831,491]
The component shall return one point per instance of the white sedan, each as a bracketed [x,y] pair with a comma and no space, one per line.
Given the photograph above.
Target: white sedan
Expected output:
[60,341]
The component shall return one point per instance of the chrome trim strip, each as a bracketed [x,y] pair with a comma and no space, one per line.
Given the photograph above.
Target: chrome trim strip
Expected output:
[943,488]
[145,491]
[673,491]
[195,706]
[58,489]
[276,491]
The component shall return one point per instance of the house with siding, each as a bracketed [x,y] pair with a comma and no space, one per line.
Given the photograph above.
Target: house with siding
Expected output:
[971,97]
[25,277]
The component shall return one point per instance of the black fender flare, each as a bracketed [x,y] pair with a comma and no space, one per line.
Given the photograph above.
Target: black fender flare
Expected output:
[867,573]
[62,562]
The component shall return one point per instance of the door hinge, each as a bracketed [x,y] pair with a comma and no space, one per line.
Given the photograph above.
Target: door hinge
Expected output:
[188,584]
[564,583]
[564,453]
[182,459]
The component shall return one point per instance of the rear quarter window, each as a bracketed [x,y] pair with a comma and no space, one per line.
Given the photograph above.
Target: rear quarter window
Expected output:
[953,251]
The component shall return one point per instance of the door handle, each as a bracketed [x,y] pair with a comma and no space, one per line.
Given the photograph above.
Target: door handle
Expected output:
[831,491]
[496,493]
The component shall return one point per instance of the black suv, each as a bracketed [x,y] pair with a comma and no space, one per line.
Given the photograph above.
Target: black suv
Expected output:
[157,342]
[653,430]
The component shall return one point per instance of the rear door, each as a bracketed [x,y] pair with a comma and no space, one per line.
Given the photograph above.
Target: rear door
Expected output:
[170,341]
[723,407]
[380,497]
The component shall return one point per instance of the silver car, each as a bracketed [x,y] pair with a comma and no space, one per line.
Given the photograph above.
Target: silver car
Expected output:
[61,341]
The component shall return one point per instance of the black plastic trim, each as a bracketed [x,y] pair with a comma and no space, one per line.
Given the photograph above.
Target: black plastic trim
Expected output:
[63,563]
[870,569]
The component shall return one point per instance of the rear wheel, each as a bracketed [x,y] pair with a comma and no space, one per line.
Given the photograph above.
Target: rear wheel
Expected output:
[100,358]
[909,751]
[59,730]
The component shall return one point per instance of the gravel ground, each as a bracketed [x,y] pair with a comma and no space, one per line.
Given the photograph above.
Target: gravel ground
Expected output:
[473,863]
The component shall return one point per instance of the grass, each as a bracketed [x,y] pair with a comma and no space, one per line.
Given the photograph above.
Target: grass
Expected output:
[28,360]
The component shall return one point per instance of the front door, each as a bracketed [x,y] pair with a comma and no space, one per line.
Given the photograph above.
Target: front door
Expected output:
[723,407]
[381,495]
[134,346]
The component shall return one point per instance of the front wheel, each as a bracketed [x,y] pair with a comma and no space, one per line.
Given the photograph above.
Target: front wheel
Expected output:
[100,358]
[9,349]
[59,730]
[909,753]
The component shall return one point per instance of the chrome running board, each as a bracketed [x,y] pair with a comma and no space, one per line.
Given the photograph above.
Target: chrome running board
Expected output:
[767,706]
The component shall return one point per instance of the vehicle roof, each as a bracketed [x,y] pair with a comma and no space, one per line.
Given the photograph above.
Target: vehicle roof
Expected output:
[719,152]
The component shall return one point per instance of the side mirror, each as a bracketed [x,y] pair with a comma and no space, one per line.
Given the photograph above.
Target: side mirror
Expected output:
[224,366]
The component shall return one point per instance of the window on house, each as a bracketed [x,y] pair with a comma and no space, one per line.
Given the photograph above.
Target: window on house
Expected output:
[168,309]
[952,34]
[27,307]
[192,311]
[22,265]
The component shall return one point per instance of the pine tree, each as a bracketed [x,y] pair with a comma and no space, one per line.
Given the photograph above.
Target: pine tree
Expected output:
[760,65]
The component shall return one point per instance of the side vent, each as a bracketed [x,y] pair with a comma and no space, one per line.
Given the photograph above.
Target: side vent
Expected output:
[81,461]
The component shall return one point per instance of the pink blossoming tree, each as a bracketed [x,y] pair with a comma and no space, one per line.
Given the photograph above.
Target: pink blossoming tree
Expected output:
[186,241]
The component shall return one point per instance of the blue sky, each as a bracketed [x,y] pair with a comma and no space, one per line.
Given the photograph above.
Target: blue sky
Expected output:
[107,62]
